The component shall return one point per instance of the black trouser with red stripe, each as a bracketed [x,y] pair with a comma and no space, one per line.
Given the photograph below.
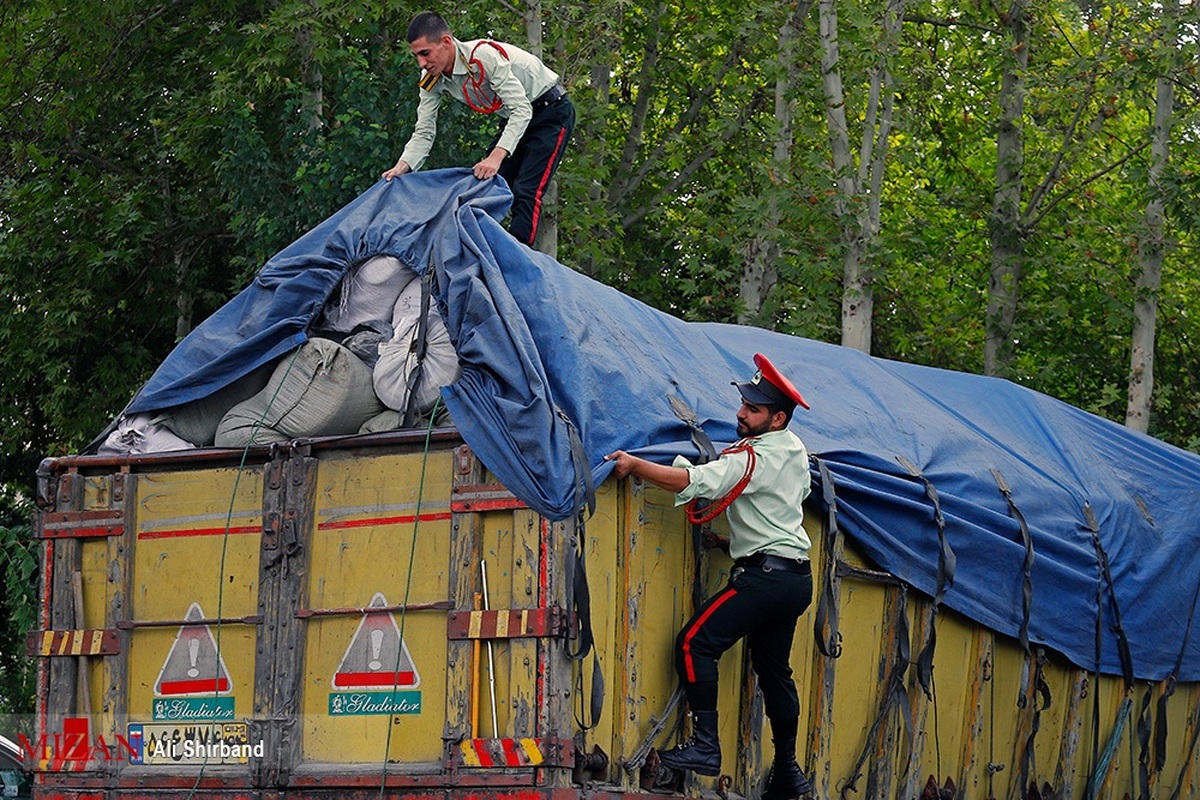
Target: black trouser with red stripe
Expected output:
[530,167]
[761,605]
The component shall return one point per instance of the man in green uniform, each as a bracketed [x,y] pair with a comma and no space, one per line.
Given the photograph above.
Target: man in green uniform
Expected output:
[492,77]
[762,482]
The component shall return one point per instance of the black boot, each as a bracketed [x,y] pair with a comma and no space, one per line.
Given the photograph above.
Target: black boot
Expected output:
[701,753]
[785,781]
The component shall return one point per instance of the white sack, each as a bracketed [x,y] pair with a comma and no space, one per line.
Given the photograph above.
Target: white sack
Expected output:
[141,433]
[367,292]
[397,358]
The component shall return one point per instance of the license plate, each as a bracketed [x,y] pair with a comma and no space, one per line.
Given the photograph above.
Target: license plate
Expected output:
[175,744]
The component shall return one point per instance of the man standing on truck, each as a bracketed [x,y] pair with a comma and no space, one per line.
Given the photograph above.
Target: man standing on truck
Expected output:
[761,481]
[492,77]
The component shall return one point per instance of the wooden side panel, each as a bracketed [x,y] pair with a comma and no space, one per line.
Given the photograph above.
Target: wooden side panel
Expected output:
[196,558]
[385,552]
[653,580]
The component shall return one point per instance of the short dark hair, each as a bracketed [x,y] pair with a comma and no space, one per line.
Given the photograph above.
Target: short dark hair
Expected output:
[427,25]
[787,412]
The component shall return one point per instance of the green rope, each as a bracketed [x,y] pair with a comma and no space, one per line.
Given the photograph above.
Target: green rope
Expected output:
[412,551]
[1110,748]
[225,543]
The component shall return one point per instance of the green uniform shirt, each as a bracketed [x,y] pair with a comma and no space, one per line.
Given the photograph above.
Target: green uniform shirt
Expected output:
[768,516]
[515,77]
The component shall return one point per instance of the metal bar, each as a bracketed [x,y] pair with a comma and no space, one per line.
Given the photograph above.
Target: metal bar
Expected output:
[207,455]
[484,497]
[130,624]
[491,662]
[306,613]
[845,570]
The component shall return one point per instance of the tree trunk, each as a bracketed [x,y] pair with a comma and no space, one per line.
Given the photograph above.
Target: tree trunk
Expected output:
[1006,228]
[761,252]
[1150,245]
[546,239]
[858,190]
[313,98]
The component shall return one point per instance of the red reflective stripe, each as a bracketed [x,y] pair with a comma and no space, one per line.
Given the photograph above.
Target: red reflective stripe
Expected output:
[537,198]
[480,747]
[194,687]
[688,666]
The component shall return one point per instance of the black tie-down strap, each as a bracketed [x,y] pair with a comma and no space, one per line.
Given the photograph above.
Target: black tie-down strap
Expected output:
[1160,731]
[1028,768]
[585,506]
[825,619]
[947,564]
[420,346]
[1027,540]
[1041,689]
[583,610]
[1103,581]
[704,445]
[1106,582]
[705,452]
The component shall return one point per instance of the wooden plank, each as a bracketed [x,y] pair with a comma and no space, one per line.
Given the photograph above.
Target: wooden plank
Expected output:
[466,534]
[890,739]
[62,700]
[556,717]
[522,651]
[507,753]
[1026,705]
[87,524]
[926,614]
[73,642]
[824,677]
[1066,772]
[290,493]
[975,778]
[115,669]
[507,623]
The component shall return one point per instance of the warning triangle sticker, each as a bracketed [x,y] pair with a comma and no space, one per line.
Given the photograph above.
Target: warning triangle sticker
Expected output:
[376,658]
[193,666]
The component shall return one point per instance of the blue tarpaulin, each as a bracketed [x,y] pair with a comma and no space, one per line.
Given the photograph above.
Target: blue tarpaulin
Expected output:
[1113,516]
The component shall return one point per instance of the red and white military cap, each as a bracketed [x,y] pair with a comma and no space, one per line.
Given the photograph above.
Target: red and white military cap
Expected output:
[768,387]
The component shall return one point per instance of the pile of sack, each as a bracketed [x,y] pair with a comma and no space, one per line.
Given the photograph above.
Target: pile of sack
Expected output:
[376,354]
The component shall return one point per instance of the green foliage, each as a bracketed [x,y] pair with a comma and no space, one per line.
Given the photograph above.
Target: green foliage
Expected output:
[155,157]
[18,609]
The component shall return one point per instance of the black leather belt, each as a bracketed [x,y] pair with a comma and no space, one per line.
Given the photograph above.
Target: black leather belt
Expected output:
[769,562]
[549,98]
